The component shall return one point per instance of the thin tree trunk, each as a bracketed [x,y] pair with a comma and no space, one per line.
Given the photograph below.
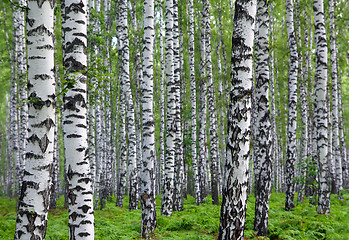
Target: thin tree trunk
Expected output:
[234,203]
[335,129]
[263,162]
[122,170]
[168,187]
[126,88]
[193,103]
[202,112]
[342,139]
[147,176]
[274,148]
[321,108]
[162,99]
[33,202]
[81,218]
[178,180]
[292,107]
[21,74]
[211,108]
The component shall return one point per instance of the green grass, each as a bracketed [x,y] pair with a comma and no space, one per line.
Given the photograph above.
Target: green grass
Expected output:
[196,222]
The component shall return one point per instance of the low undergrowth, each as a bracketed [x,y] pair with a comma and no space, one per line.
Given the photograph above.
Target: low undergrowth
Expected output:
[196,222]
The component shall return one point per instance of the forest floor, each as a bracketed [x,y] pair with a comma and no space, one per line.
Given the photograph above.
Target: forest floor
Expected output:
[196,222]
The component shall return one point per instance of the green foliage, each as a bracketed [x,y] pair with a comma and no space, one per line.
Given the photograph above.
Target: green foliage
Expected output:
[197,222]
[309,166]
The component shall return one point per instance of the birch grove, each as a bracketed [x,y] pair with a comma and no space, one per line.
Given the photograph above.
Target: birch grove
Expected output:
[140,108]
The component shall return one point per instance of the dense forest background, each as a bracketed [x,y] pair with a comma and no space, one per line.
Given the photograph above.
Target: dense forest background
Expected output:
[203,52]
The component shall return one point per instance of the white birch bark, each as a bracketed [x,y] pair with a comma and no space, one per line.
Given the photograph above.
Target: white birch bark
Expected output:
[14,100]
[122,170]
[162,98]
[193,103]
[138,75]
[126,88]
[21,74]
[220,122]
[81,218]
[234,203]
[178,181]
[202,112]
[8,157]
[122,160]
[98,119]
[274,150]
[304,75]
[263,162]
[14,154]
[147,176]
[33,201]
[292,107]
[211,108]
[108,100]
[168,187]
[330,157]
[334,75]
[341,133]
[320,107]
[98,150]
[222,65]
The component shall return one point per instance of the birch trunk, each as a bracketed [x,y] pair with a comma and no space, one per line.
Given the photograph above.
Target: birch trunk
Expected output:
[162,100]
[168,187]
[202,112]
[14,121]
[122,170]
[274,148]
[193,103]
[335,129]
[211,108]
[342,139]
[81,218]
[33,202]
[292,107]
[21,74]
[320,107]
[178,179]
[147,176]
[126,87]
[263,162]
[234,203]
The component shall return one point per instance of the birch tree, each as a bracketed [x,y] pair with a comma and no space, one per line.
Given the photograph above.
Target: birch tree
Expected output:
[34,198]
[126,89]
[193,103]
[147,175]
[263,158]
[162,98]
[14,137]
[234,202]
[21,75]
[178,179]
[321,107]
[81,218]
[334,75]
[168,187]
[202,110]
[211,108]
[123,78]
[292,107]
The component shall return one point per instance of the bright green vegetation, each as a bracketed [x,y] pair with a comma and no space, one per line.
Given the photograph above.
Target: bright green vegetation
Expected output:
[197,222]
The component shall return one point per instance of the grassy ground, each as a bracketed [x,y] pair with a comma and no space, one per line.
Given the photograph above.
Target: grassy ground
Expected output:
[197,222]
